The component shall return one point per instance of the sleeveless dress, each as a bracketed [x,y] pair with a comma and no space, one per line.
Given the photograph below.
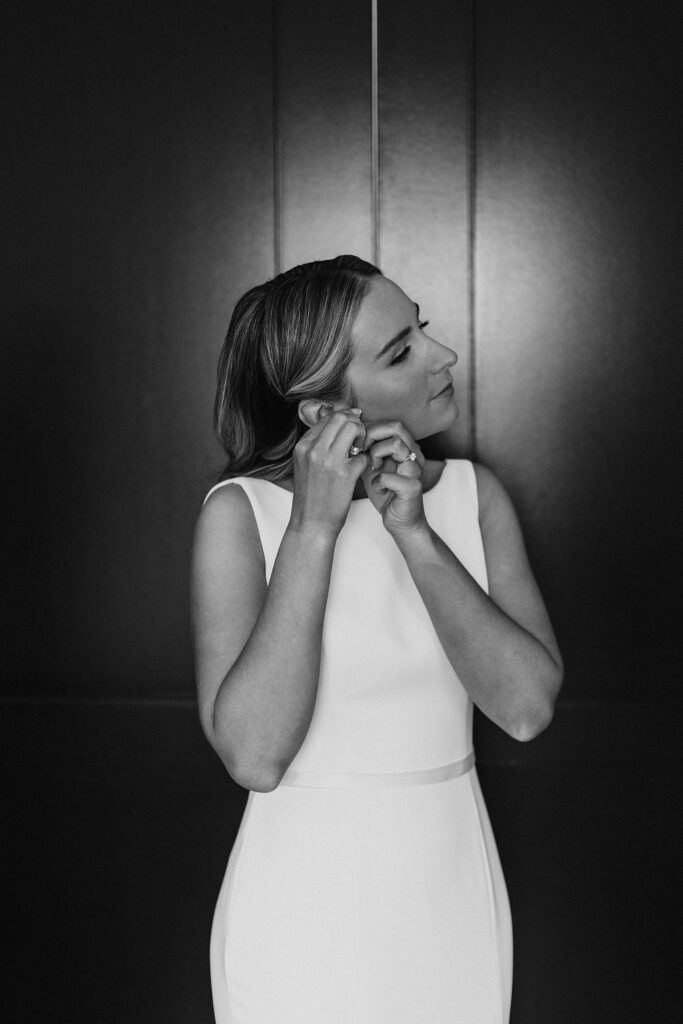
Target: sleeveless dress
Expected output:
[367,888]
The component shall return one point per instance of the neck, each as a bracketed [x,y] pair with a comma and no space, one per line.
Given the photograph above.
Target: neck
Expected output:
[360,490]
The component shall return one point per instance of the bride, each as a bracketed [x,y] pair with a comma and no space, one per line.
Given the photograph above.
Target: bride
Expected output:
[351,602]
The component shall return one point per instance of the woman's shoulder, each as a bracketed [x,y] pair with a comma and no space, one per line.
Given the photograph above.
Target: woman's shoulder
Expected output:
[495,504]
[227,490]
[226,521]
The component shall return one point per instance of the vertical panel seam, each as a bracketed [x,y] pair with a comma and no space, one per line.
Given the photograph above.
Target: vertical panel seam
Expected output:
[472,232]
[277,176]
[374,133]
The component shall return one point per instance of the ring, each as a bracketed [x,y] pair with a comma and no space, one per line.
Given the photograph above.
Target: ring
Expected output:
[412,456]
[355,450]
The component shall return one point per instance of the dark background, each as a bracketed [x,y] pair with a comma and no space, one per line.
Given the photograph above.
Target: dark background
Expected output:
[161,159]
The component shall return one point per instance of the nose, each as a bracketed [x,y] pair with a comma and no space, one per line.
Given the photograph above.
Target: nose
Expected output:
[448,358]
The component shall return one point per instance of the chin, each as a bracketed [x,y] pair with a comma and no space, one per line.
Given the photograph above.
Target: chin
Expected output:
[442,423]
[448,417]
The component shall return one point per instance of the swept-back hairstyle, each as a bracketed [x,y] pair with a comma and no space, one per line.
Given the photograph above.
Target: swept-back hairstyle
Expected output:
[288,339]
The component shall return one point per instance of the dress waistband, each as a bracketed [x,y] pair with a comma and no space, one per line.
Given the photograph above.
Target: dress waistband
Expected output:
[378,780]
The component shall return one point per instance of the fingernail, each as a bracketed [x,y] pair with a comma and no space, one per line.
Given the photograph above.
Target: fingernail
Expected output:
[359,411]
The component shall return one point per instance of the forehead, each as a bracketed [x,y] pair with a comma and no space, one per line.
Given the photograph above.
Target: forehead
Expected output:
[385,310]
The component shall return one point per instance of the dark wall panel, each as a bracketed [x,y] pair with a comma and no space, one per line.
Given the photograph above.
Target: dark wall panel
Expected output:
[424,97]
[141,206]
[324,53]
[141,202]
[579,317]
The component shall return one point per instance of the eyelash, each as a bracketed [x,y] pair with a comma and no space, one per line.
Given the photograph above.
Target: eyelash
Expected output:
[404,352]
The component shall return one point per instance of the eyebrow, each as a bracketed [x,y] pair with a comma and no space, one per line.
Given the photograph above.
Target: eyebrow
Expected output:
[398,337]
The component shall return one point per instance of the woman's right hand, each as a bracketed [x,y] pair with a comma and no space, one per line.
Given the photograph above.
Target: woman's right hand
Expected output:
[325,474]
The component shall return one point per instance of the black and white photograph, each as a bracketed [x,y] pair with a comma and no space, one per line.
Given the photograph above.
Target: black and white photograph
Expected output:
[341,547]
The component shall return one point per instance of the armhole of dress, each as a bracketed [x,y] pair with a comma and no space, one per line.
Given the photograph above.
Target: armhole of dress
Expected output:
[221,483]
[471,477]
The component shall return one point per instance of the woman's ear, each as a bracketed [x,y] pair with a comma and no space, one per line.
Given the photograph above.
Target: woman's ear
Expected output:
[311,411]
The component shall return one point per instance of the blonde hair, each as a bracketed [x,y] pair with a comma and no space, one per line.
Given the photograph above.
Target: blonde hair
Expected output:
[288,339]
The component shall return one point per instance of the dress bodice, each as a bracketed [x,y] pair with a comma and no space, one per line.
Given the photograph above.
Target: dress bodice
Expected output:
[388,698]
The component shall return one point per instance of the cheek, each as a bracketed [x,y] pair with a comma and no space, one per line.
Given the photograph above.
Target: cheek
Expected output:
[389,397]
[370,394]
[410,391]
[403,403]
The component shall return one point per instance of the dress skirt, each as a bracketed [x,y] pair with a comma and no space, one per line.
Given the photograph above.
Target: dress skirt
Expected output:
[347,903]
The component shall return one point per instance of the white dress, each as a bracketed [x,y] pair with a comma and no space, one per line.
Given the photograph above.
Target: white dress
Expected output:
[367,888]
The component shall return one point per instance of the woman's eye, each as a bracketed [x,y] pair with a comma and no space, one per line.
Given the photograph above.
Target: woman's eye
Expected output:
[401,356]
[404,352]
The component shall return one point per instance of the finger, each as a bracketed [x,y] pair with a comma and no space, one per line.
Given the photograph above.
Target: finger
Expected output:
[351,433]
[396,447]
[329,428]
[381,430]
[411,467]
[403,487]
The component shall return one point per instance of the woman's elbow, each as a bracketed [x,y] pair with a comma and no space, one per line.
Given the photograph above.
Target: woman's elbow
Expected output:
[256,782]
[537,717]
[256,778]
[531,725]
[260,779]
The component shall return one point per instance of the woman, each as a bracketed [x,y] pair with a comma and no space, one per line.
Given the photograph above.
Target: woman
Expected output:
[351,601]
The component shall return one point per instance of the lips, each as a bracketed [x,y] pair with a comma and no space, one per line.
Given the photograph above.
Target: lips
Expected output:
[444,388]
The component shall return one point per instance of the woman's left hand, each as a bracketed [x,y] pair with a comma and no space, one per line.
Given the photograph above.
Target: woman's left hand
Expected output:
[393,481]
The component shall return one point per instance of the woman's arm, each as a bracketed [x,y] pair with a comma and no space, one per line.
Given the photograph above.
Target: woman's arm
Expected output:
[502,646]
[257,645]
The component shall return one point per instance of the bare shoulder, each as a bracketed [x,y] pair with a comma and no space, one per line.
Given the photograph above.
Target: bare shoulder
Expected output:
[501,533]
[495,504]
[512,585]
[227,588]
[226,523]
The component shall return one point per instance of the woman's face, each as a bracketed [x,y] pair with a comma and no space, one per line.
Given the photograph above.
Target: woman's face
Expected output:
[401,381]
